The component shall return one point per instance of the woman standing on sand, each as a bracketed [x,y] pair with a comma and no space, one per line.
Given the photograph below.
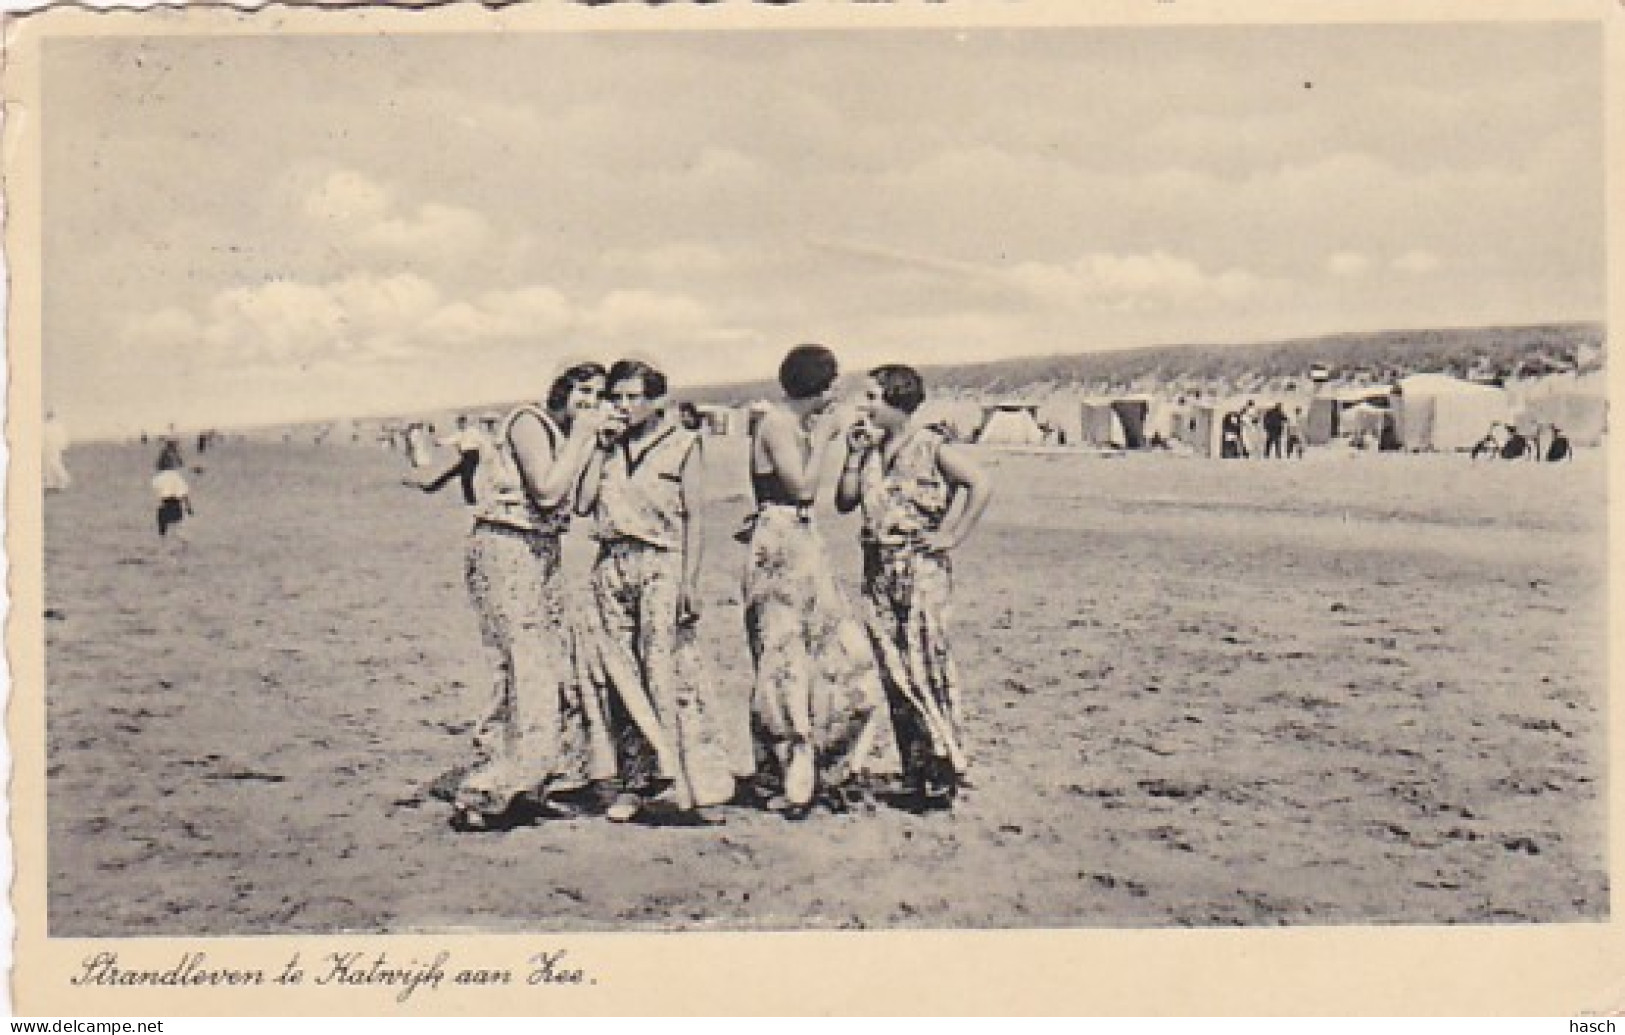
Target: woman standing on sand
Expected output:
[640,483]
[818,705]
[512,564]
[907,477]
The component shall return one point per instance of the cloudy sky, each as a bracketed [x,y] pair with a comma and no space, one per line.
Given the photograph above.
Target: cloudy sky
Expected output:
[263,228]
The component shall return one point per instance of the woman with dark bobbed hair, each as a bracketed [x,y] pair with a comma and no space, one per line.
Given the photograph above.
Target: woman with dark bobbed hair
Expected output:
[921,496]
[818,707]
[640,483]
[512,569]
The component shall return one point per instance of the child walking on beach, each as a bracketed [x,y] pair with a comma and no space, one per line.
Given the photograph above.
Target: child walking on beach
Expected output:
[907,477]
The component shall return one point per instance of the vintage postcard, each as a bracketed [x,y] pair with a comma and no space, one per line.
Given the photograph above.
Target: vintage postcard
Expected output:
[925,508]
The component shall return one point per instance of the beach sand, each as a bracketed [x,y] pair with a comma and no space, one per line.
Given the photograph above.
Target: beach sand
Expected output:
[1353,689]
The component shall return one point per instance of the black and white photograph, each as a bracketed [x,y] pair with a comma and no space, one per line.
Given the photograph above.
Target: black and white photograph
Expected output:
[926,476]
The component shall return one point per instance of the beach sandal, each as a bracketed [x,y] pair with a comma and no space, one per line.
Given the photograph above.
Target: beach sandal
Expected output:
[624,809]
[466,820]
[800,777]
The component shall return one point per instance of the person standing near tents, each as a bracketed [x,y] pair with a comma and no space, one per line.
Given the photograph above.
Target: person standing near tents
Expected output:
[1274,429]
[907,478]
[1294,434]
[1231,446]
[818,707]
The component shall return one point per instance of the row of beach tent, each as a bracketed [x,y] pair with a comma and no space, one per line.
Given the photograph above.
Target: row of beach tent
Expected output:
[1421,413]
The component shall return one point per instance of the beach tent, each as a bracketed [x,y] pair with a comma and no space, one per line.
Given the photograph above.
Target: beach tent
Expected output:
[1440,412]
[1198,427]
[753,416]
[1011,424]
[1578,405]
[1098,424]
[1162,420]
[1133,414]
[722,420]
[1323,422]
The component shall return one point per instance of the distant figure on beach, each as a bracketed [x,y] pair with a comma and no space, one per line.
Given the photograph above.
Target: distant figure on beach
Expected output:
[169,456]
[818,708]
[54,439]
[1294,434]
[1559,448]
[1231,445]
[1251,432]
[1274,422]
[418,451]
[511,566]
[1516,446]
[471,443]
[174,495]
[640,485]
[688,415]
[906,478]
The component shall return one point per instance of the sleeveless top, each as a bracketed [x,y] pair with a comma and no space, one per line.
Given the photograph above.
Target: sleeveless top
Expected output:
[766,487]
[908,498]
[641,495]
[501,490]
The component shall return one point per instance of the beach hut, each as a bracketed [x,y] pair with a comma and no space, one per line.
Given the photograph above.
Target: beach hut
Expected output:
[1010,424]
[1098,423]
[721,420]
[1577,404]
[1133,414]
[754,414]
[1444,413]
[1197,426]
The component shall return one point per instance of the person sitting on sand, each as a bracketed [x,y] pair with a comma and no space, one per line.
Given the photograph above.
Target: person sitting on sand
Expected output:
[640,483]
[907,478]
[818,707]
[174,495]
[1516,447]
[1489,445]
[1559,448]
[511,565]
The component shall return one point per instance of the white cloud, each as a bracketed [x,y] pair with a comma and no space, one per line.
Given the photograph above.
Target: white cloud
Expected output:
[1347,264]
[676,259]
[1135,282]
[654,315]
[1418,261]
[166,329]
[365,318]
[357,210]
[431,230]
[347,198]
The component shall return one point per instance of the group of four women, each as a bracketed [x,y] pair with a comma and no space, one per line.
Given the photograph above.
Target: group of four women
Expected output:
[600,700]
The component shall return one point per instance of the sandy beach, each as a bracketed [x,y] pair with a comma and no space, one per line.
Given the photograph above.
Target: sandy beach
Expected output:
[1352,689]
